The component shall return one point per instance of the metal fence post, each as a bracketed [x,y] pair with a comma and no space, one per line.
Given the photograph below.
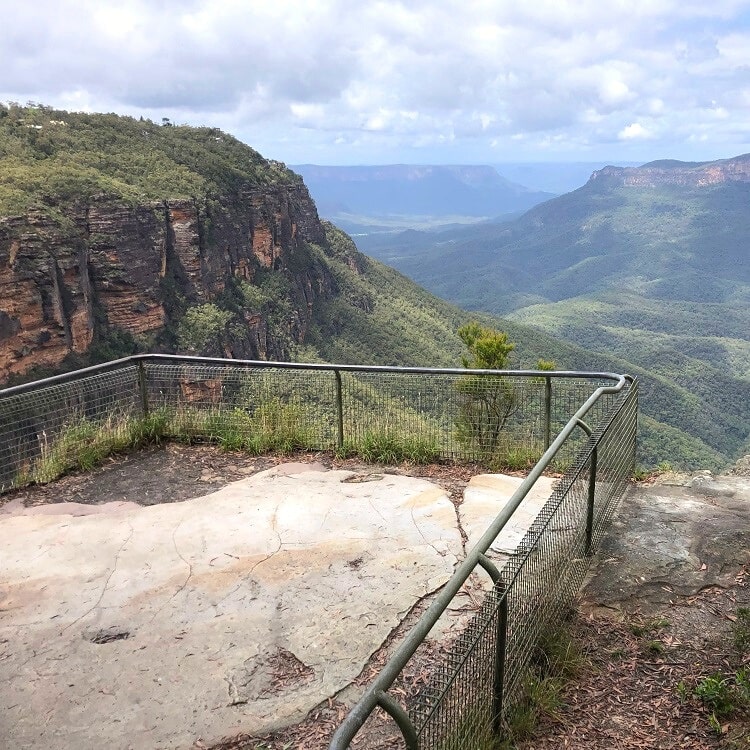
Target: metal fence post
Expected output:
[591,492]
[142,388]
[501,638]
[591,501]
[500,649]
[339,409]
[547,411]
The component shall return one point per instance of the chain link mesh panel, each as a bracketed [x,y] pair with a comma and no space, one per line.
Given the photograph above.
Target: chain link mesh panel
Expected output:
[477,681]
[55,428]
[500,420]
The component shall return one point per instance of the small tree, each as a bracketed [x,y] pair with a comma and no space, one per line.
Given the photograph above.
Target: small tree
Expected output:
[487,401]
[201,330]
[548,365]
[489,349]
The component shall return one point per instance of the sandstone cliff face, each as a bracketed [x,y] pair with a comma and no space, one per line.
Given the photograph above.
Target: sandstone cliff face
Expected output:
[68,277]
[684,175]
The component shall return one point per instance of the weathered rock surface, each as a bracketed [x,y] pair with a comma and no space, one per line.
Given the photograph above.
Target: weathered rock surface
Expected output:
[673,538]
[742,467]
[152,627]
[113,266]
[484,498]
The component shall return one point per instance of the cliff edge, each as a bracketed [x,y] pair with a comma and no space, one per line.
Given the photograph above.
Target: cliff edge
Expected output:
[111,229]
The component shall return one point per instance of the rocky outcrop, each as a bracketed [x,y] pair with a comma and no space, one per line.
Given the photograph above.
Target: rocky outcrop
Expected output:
[69,275]
[684,174]
[742,467]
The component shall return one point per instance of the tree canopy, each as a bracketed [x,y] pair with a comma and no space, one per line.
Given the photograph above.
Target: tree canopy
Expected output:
[50,156]
[488,348]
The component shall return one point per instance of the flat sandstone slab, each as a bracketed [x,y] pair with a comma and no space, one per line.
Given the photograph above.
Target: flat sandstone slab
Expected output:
[126,626]
[486,495]
[151,627]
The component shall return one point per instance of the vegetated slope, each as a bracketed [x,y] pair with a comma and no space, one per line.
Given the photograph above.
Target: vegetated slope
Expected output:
[408,325]
[367,192]
[381,317]
[650,265]
[120,235]
[48,157]
[220,253]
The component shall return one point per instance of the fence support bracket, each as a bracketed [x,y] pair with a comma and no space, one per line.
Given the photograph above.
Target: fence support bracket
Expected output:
[397,713]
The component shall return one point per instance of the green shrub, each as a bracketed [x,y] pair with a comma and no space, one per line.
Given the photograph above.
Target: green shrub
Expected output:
[717,693]
[202,329]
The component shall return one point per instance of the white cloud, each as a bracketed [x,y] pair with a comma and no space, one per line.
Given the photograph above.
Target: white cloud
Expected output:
[633,131]
[380,77]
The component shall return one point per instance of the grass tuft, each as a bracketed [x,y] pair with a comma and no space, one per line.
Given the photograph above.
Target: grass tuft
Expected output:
[557,659]
[84,444]
[391,447]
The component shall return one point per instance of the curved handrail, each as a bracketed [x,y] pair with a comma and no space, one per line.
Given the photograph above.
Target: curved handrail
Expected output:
[356,718]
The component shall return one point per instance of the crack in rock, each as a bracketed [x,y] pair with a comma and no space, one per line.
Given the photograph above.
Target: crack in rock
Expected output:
[106,583]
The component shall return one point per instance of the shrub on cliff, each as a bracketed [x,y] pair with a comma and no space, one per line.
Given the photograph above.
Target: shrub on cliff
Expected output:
[487,402]
[202,329]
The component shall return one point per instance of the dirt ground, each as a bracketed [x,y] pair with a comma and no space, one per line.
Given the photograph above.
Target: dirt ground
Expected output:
[658,620]
[173,472]
[634,691]
[636,688]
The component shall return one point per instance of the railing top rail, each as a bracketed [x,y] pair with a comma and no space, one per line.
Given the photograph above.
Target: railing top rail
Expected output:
[250,363]
[356,718]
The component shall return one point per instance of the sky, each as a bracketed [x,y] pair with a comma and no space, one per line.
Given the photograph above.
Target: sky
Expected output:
[420,82]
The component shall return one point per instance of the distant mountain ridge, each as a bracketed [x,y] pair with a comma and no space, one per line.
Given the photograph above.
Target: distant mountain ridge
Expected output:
[554,177]
[418,190]
[673,172]
[648,264]
[669,232]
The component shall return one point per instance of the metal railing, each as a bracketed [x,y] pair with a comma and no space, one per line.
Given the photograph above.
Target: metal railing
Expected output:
[57,424]
[582,424]
[478,680]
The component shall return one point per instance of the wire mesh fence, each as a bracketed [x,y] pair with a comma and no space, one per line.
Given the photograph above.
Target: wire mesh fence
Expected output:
[387,414]
[58,426]
[478,681]
[254,408]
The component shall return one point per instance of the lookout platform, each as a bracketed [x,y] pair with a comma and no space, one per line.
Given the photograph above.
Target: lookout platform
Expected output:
[219,595]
